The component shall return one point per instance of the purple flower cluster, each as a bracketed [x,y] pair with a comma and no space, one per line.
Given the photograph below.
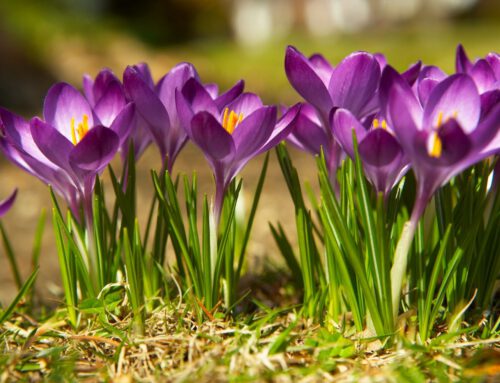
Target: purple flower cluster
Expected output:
[423,119]
[80,134]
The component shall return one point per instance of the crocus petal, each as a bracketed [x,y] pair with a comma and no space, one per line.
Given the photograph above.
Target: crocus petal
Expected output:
[379,148]
[110,104]
[283,128]
[483,75]
[51,143]
[253,132]
[245,104]
[494,61]
[432,72]
[400,106]
[215,142]
[148,105]
[488,101]
[308,133]
[124,122]
[381,59]
[88,89]
[322,67]
[306,81]
[230,95]
[96,150]
[64,103]
[144,71]
[425,88]
[102,81]
[174,79]
[198,97]
[7,203]
[412,73]
[455,97]
[354,82]
[427,80]
[462,62]
[487,129]
[212,89]
[17,130]
[184,111]
[342,123]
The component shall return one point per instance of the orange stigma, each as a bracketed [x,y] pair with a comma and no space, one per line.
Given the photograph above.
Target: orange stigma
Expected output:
[78,132]
[231,120]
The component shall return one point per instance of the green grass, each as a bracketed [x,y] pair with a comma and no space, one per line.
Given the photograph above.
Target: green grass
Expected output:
[265,346]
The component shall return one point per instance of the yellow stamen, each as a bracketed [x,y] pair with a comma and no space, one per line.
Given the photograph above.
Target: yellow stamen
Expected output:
[230,120]
[73,133]
[376,123]
[439,119]
[384,124]
[436,146]
[224,119]
[81,129]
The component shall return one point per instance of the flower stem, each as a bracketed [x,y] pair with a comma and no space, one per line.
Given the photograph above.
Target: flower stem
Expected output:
[94,273]
[398,270]
[220,191]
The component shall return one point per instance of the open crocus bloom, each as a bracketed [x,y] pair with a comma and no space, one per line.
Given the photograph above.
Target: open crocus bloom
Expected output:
[444,137]
[17,144]
[230,135]
[381,154]
[70,146]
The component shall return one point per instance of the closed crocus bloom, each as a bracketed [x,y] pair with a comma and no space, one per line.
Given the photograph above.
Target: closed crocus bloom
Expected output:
[107,98]
[156,105]
[382,156]
[484,71]
[230,135]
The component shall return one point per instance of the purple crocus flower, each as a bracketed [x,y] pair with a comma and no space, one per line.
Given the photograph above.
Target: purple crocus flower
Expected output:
[352,85]
[446,135]
[69,147]
[381,154]
[486,75]
[107,97]
[441,139]
[484,71]
[17,144]
[230,134]
[156,105]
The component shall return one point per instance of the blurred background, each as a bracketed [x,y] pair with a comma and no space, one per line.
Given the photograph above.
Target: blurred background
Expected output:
[42,42]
